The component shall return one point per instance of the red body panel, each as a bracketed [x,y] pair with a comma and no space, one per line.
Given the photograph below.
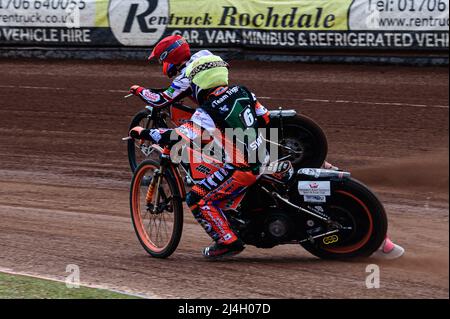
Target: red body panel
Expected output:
[179,115]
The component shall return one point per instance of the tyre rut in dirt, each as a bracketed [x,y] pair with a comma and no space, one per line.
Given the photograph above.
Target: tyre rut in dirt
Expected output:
[171,205]
[302,134]
[354,203]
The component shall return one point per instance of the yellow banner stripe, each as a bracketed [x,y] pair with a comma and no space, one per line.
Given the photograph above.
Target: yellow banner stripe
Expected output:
[101,13]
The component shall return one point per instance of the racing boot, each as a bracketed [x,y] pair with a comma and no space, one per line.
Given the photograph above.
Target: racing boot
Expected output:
[389,250]
[218,250]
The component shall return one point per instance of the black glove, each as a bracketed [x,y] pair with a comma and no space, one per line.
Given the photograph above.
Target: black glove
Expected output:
[139,132]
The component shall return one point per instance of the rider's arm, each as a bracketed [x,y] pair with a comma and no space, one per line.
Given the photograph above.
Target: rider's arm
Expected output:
[157,136]
[262,114]
[179,89]
[190,130]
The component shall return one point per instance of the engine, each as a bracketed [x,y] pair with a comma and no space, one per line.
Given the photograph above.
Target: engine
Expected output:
[277,226]
[269,229]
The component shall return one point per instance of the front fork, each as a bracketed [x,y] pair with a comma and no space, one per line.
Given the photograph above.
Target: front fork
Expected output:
[156,182]
[154,189]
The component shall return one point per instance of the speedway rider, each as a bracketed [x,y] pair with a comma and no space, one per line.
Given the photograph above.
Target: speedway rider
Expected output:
[222,107]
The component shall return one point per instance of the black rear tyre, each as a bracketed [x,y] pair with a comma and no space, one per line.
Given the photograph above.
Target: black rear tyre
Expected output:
[302,134]
[354,202]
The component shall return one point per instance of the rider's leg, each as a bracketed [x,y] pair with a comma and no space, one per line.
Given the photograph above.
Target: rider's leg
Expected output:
[204,199]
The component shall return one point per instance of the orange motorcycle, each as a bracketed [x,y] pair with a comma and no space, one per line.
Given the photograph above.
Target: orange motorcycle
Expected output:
[327,212]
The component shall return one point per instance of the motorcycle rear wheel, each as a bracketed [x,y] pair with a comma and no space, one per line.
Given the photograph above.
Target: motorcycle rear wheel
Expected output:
[352,203]
[304,135]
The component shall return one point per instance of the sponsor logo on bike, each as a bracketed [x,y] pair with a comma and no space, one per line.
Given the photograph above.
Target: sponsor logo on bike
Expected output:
[314,188]
[330,239]
[315,199]
[138,22]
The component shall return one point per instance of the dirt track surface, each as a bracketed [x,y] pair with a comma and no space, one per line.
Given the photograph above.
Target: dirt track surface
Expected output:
[64,179]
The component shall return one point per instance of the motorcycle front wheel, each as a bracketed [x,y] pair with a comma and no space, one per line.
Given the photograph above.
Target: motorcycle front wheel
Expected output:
[156,209]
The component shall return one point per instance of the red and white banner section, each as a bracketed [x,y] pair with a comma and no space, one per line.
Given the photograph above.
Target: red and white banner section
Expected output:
[290,24]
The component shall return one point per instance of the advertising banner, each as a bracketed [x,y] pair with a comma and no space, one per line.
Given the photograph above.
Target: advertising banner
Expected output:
[282,24]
